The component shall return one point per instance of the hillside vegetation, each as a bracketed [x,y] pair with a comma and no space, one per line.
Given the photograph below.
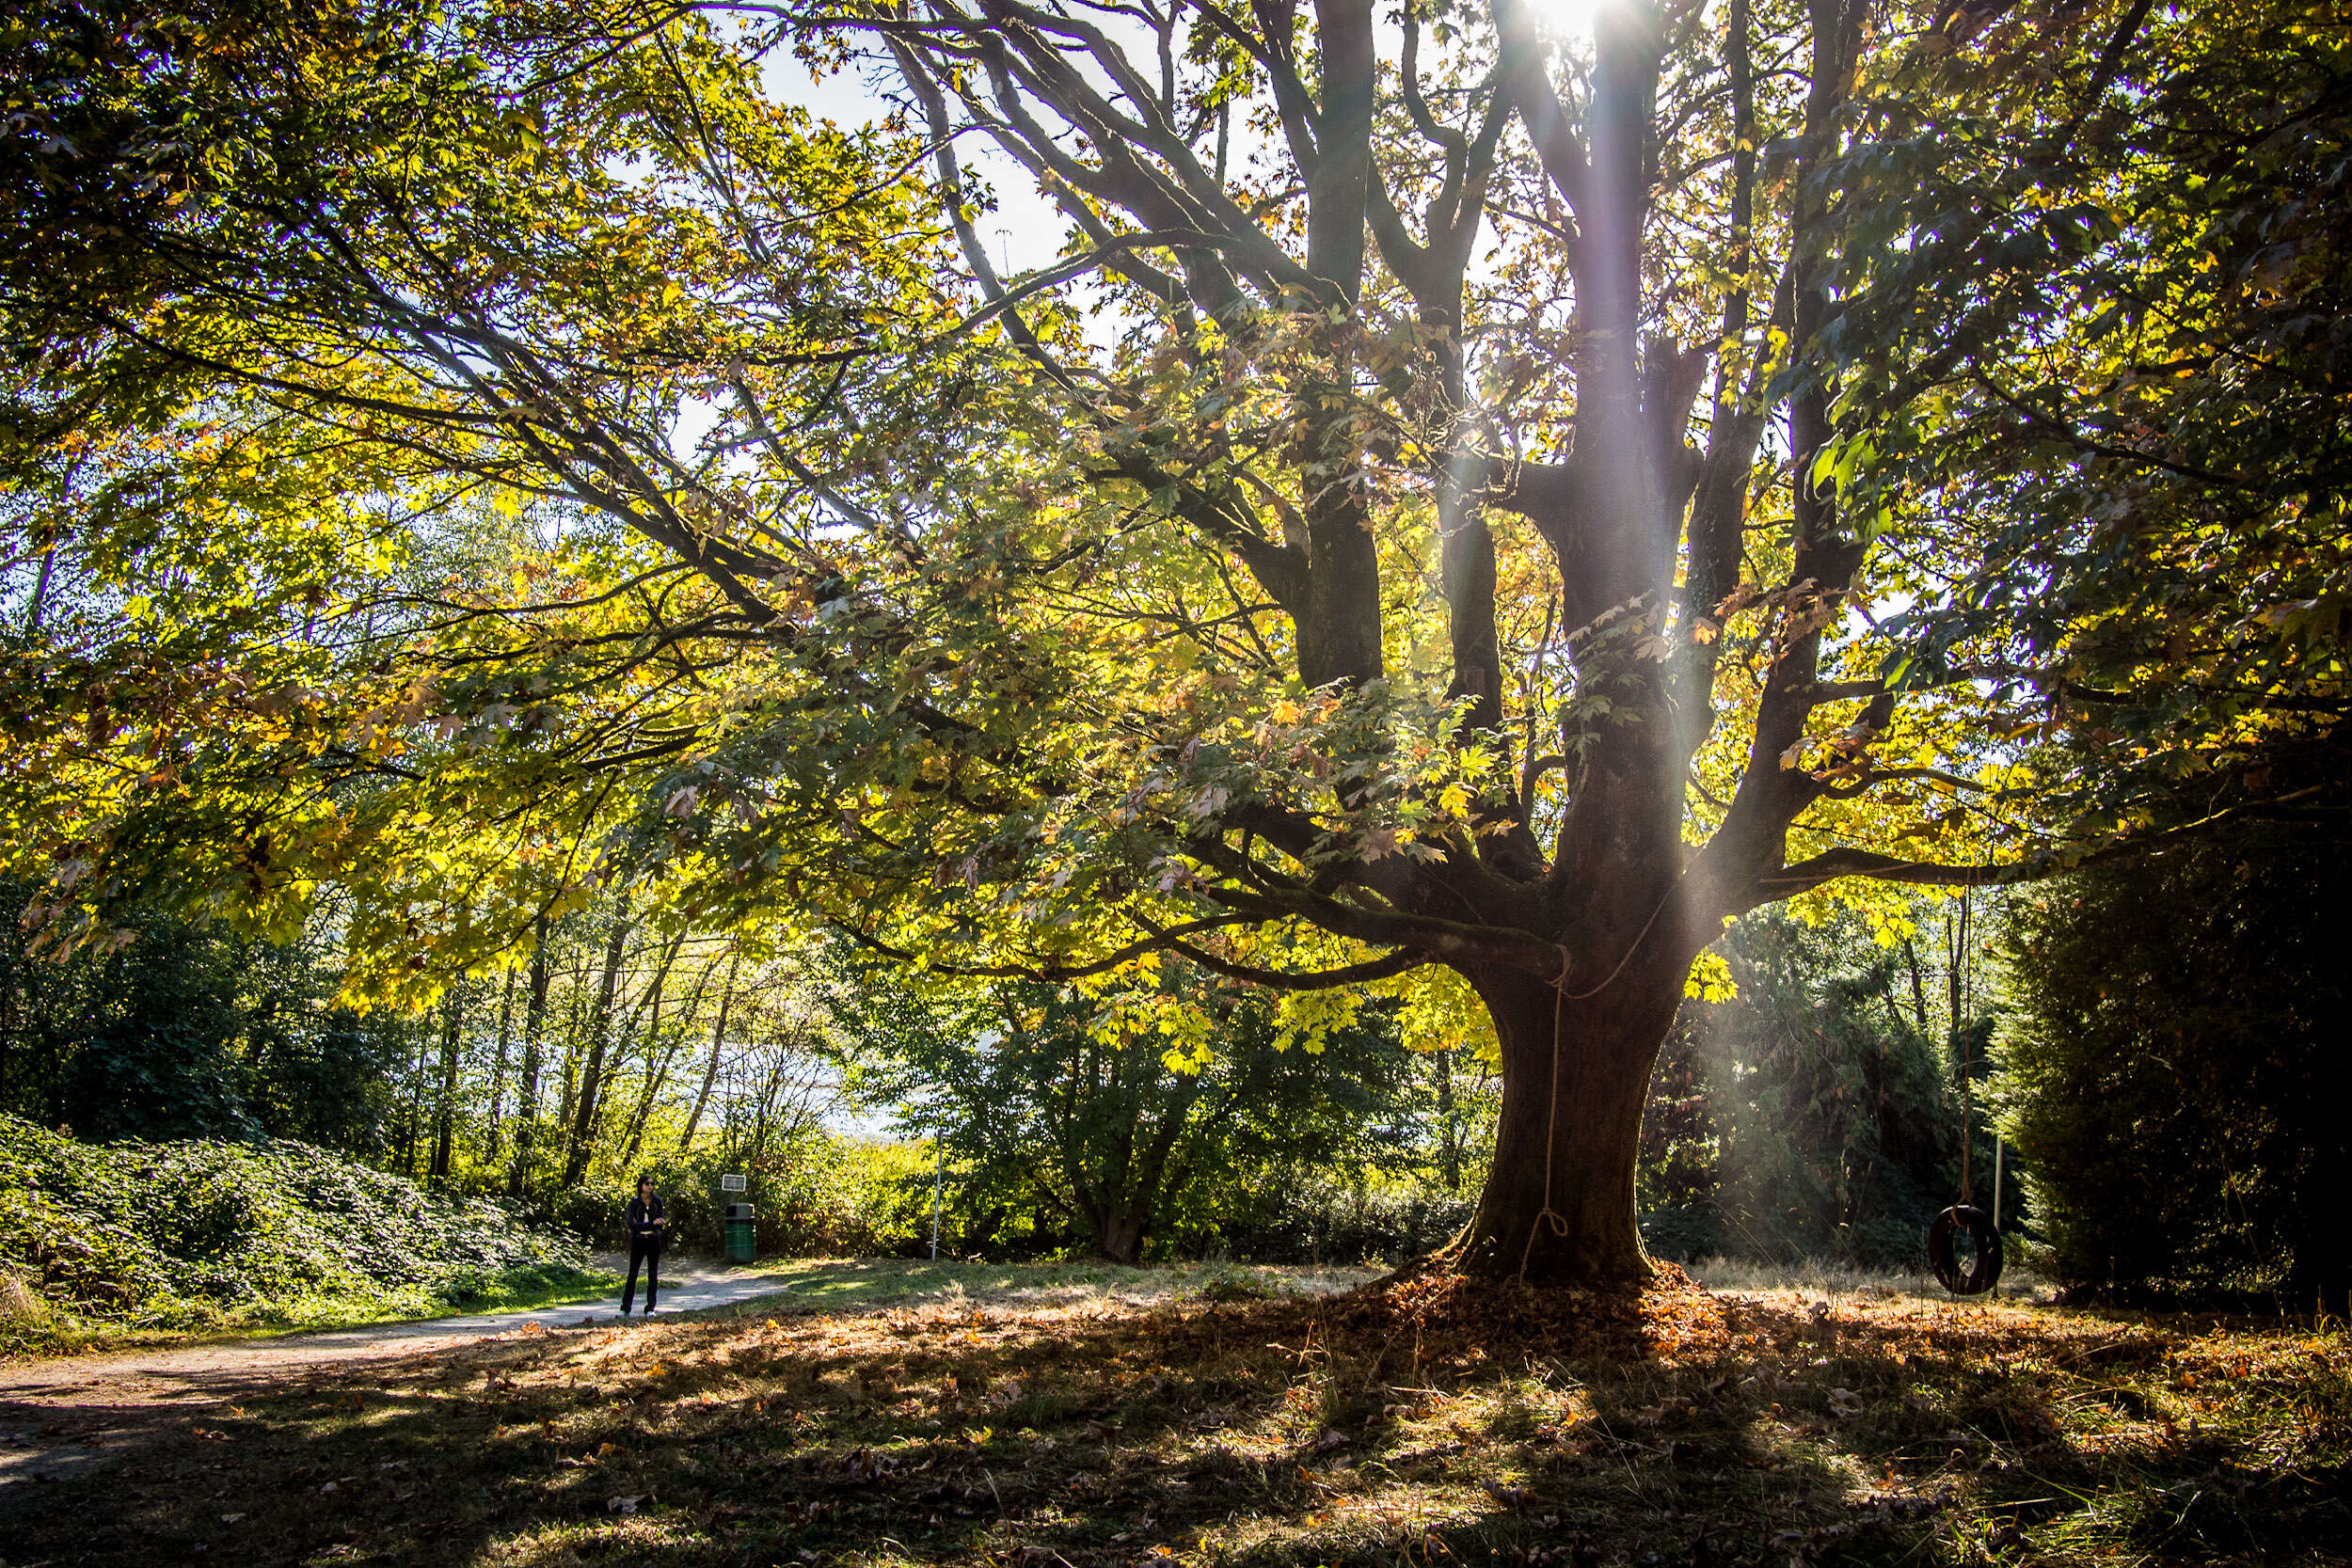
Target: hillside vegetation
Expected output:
[201,1234]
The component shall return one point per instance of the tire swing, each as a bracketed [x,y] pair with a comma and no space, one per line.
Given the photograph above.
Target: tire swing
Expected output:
[1964,1217]
[1944,1251]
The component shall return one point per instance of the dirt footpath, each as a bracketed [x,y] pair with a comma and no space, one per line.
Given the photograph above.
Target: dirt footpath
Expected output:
[74,1415]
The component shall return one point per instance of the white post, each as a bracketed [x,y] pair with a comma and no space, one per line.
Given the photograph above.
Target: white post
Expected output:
[1998,1146]
[938,1182]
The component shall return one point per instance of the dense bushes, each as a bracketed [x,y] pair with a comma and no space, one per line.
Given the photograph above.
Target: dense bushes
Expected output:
[813,1195]
[190,1234]
[188,1031]
[1813,1113]
[1305,1216]
[2176,1068]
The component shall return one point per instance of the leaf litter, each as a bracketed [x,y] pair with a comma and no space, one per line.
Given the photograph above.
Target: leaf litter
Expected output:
[1421,1418]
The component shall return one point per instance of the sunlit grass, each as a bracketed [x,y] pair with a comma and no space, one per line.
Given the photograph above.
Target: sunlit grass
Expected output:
[992,1418]
[36,1334]
[843,1285]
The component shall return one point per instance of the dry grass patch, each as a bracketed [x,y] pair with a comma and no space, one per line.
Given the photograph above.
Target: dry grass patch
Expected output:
[1423,1422]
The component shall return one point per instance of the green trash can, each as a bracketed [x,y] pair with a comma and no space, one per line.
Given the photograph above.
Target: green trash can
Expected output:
[739,1232]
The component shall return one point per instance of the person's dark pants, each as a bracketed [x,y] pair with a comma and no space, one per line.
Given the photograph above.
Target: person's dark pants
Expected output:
[649,1254]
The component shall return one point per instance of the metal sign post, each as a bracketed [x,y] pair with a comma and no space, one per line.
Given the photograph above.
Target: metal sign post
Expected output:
[741,1237]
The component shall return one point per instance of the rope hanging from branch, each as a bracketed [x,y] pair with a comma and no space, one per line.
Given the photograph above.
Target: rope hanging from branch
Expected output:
[1964,1217]
[1547,1216]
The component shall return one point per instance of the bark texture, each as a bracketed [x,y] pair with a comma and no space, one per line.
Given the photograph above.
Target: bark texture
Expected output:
[1558,1206]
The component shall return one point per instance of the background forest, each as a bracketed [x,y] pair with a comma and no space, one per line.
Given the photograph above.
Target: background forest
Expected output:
[564,616]
[1138,657]
[2152,1086]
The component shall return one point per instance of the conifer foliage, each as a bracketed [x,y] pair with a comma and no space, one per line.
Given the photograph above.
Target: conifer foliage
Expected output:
[2177,1068]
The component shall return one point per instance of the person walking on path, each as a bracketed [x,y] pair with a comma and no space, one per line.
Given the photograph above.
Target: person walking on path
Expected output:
[645,1222]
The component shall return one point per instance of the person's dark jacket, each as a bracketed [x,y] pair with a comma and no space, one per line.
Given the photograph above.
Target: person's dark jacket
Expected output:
[644,1222]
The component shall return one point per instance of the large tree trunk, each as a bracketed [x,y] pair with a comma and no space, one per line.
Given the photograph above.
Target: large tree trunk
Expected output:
[1119,1235]
[1117,1225]
[1558,1204]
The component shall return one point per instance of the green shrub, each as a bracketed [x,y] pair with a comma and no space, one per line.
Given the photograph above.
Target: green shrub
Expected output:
[1309,1218]
[816,1196]
[200,1233]
[1811,1115]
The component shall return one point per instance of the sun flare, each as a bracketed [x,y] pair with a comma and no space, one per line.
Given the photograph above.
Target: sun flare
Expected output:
[1571,18]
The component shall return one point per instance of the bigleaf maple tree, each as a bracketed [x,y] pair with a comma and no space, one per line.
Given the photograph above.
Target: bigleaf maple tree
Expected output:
[1469,497]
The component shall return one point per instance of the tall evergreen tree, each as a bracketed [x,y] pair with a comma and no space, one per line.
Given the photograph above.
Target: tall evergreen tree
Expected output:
[2176,1072]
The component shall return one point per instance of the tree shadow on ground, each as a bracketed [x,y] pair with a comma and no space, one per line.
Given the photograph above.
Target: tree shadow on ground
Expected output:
[1420,1422]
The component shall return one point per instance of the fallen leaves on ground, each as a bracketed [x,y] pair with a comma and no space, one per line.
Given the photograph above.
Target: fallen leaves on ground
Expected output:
[1427,1419]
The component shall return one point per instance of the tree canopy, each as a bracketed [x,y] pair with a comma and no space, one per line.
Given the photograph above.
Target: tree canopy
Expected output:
[1465,491]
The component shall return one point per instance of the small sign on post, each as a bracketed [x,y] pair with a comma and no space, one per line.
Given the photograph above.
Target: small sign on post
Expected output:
[737,1228]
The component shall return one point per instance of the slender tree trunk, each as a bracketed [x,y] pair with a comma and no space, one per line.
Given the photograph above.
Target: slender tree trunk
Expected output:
[1918,988]
[710,1072]
[657,1070]
[1449,1131]
[767,1092]
[567,1096]
[445,1114]
[498,1067]
[1558,1206]
[655,1076]
[40,590]
[416,1112]
[527,1094]
[592,1072]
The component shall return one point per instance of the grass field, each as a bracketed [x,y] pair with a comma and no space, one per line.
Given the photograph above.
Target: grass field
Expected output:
[28,1331]
[848,1285]
[1008,1416]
